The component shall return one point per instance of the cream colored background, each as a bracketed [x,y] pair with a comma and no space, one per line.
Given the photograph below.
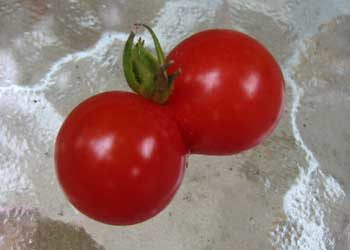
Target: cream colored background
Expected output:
[291,192]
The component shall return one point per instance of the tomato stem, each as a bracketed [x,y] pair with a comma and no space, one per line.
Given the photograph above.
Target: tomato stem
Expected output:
[158,47]
[145,73]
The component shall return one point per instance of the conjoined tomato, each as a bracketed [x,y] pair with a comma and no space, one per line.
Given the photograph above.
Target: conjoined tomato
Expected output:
[230,92]
[119,158]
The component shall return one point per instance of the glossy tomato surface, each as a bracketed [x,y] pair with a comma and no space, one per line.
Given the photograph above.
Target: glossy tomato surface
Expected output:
[119,158]
[229,95]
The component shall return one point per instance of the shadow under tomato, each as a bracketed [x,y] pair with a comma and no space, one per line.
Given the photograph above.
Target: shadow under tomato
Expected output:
[26,229]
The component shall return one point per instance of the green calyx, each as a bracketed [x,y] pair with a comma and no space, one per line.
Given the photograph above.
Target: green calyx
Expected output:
[145,73]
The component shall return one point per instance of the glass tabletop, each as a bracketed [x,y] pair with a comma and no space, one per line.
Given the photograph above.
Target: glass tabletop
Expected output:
[290,192]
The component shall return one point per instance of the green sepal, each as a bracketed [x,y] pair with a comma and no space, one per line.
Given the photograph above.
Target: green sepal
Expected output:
[145,73]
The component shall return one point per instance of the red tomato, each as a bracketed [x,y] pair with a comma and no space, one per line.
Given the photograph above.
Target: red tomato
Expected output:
[119,158]
[229,95]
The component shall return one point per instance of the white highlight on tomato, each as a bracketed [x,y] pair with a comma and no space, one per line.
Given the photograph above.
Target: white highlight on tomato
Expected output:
[251,84]
[103,146]
[211,80]
[147,147]
[135,172]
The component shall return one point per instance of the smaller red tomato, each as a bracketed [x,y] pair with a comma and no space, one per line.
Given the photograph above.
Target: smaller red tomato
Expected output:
[230,93]
[119,158]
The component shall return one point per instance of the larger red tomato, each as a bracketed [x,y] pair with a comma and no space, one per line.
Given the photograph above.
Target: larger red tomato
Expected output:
[119,158]
[229,95]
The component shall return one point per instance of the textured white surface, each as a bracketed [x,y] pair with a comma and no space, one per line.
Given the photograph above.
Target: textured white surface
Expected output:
[281,195]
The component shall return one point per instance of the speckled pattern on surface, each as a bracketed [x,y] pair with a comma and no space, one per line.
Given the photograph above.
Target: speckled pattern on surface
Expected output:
[291,192]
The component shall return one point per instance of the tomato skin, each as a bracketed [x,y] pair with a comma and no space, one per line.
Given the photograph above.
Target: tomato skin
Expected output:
[230,93]
[119,158]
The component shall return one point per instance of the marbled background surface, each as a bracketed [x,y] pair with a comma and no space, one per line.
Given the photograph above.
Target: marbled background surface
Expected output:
[290,193]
